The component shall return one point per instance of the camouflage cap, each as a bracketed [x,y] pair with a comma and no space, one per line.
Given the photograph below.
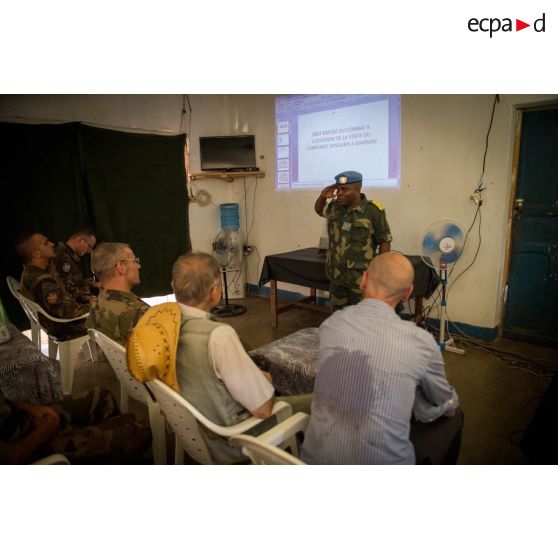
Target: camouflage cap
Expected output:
[153,343]
[348,177]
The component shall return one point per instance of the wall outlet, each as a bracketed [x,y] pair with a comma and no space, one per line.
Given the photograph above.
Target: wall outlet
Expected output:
[476,197]
[248,250]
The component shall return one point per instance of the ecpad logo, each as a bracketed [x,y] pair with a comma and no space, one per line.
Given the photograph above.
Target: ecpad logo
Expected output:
[493,25]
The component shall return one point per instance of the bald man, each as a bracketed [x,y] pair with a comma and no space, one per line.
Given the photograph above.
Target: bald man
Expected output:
[379,380]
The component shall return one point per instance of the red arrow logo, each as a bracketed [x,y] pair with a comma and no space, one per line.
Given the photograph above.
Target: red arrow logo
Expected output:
[519,25]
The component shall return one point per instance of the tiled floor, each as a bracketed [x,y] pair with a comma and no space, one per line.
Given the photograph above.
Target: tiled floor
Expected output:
[498,401]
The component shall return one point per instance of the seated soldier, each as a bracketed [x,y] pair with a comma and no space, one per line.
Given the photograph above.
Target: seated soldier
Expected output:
[66,265]
[38,285]
[118,309]
[86,427]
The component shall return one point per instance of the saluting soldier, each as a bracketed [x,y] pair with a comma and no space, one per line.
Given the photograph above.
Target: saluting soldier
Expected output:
[38,285]
[357,228]
[66,264]
[118,309]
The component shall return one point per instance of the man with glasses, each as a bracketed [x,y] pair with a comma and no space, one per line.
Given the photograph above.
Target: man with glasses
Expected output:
[118,309]
[67,267]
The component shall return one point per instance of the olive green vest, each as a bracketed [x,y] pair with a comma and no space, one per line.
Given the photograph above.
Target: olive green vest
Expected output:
[201,387]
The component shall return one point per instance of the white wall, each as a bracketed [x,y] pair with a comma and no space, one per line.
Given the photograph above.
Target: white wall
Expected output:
[443,139]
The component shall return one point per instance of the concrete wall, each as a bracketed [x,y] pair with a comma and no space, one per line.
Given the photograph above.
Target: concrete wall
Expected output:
[443,140]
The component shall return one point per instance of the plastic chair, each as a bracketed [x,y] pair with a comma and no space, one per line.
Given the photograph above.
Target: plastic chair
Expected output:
[130,387]
[183,418]
[15,288]
[68,350]
[54,459]
[266,448]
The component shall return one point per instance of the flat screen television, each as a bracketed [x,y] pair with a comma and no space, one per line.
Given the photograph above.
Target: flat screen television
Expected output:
[228,153]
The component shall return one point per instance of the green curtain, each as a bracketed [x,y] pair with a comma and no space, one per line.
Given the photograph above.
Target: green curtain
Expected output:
[127,187]
[136,191]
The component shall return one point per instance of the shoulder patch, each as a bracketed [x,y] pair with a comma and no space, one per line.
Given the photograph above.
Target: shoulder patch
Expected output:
[52,297]
[378,205]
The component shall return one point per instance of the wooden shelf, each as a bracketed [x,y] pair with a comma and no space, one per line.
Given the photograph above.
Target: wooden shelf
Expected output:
[226,176]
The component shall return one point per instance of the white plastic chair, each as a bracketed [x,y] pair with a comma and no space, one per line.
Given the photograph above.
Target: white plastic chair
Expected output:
[266,448]
[183,418]
[130,387]
[68,350]
[15,288]
[54,459]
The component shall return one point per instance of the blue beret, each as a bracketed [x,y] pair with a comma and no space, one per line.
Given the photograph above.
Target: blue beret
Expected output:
[348,177]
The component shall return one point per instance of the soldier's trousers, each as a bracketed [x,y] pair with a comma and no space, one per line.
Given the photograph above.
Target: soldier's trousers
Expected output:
[93,431]
[343,295]
[64,331]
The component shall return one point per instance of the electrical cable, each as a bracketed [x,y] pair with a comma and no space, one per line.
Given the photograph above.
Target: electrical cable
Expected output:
[258,264]
[249,229]
[478,190]
[254,206]
[245,212]
[476,253]
[189,114]
[507,359]
[182,113]
[187,146]
[480,186]
[470,227]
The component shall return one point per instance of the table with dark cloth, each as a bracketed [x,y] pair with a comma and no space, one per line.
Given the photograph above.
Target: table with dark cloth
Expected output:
[306,267]
[26,375]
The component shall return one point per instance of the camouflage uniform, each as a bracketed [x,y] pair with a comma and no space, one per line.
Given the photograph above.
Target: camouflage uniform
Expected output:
[49,293]
[354,235]
[116,313]
[91,430]
[66,267]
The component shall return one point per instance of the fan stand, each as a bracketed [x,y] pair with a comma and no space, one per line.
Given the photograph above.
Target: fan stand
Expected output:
[227,309]
[445,344]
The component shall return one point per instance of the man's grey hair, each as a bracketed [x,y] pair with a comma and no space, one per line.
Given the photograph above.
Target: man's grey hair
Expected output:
[193,276]
[105,257]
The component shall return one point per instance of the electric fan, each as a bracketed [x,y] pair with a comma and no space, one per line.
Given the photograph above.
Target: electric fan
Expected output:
[441,246]
[228,251]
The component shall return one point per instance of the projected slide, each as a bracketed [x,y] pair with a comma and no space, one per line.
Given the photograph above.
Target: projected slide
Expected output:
[318,136]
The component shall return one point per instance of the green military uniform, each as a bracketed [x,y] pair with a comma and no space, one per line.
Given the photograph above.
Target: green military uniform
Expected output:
[91,430]
[50,294]
[354,236]
[116,313]
[65,266]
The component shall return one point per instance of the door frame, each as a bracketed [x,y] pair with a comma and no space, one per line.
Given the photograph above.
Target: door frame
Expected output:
[519,111]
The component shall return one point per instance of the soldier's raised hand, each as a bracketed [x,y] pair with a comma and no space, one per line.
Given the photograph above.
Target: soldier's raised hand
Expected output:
[329,191]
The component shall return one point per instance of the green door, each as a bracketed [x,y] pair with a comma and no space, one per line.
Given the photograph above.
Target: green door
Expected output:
[531,309]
